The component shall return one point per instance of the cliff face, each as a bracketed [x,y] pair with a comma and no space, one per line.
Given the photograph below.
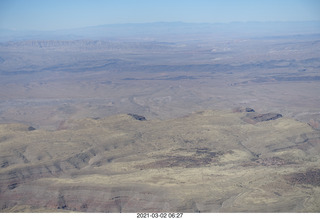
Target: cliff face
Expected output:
[210,161]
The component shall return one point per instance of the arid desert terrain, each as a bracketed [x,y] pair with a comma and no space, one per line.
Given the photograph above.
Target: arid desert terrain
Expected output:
[183,121]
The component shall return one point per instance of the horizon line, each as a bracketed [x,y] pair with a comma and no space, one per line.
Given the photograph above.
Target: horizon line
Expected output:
[154,22]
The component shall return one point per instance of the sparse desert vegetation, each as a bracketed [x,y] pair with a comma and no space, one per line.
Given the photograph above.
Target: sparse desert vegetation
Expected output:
[210,161]
[197,122]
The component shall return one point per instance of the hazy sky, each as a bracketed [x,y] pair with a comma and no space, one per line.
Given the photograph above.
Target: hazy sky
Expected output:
[62,14]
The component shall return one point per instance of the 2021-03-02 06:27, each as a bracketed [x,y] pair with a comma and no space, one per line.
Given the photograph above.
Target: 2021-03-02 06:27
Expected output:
[159,215]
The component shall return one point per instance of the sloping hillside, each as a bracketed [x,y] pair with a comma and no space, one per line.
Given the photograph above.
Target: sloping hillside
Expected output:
[209,161]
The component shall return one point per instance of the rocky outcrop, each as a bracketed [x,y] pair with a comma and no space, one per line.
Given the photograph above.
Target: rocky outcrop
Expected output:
[264,117]
[30,128]
[254,118]
[243,109]
[137,117]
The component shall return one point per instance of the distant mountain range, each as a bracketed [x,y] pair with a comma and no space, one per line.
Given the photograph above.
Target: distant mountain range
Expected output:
[151,31]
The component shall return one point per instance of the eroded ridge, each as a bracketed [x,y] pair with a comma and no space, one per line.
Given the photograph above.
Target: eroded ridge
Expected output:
[208,161]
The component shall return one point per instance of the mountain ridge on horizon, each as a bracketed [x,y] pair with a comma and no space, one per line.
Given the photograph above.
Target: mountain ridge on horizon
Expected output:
[163,22]
[249,28]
